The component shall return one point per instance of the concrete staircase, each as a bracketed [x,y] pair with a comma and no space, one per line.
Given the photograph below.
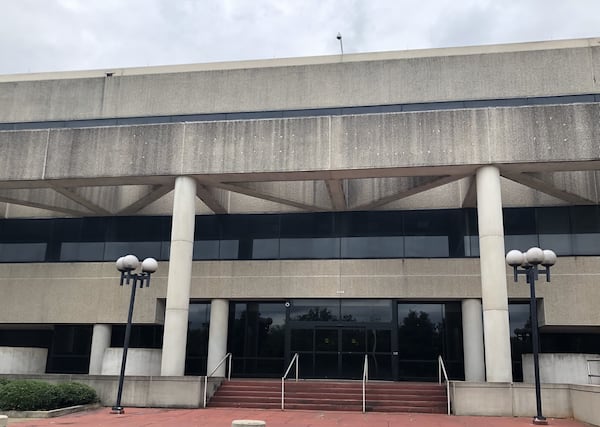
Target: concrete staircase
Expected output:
[332,396]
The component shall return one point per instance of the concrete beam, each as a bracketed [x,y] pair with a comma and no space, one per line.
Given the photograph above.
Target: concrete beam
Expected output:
[72,194]
[336,194]
[43,198]
[210,199]
[427,185]
[154,194]
[239,188]
[546,186]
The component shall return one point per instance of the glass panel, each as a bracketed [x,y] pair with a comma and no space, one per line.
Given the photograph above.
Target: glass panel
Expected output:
[229,249]
[585,223]
[142,336]
[373,247]
[426,246]
[326,365]
[82,251]
[519,221]
[561,244]
[307,225]
[265,249]
[257,337]
[353,340]
[315,310]
[369,310]
[197,338]
[379,340]
[326,340]
[22,252]
[302,340]
[521,242]
[369,224]
[206,249]
[114,250]
[315,248]
[380,366]
[352,366]
[271,329]
[471,246]
[520,336]
[586,244]
[420,340]
[554,220]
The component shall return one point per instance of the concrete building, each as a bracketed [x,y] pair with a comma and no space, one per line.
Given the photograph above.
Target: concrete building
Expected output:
[330,206]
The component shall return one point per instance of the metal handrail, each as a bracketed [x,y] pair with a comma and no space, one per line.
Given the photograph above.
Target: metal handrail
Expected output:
[294,360]
[365,379]
[589,370]
[227,356]
[442,369]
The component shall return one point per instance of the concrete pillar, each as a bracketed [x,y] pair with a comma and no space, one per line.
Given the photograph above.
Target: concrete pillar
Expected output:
[217,336]
[472,324]
[494,294]
[100,342]
[179,279]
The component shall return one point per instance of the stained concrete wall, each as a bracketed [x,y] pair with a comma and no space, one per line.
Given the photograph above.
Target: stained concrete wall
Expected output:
[560,368]
[438,142]
[581,402]
[23,360]
[457,139]
[90,293]
[483,72]
[140,361]
[138,391]
[585,401]
[504,399]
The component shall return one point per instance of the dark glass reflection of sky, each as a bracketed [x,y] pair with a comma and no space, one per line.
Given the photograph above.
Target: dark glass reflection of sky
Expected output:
[433,310]
[518,317]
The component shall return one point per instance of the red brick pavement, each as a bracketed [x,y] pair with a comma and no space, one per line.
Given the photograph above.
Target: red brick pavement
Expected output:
[219,417]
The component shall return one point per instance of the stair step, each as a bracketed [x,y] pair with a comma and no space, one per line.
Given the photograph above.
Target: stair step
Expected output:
[332,395]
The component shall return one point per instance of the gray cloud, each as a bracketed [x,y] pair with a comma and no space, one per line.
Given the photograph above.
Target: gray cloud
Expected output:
[49,35]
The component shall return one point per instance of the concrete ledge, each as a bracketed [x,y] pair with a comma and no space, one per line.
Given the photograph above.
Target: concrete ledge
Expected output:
[138,391]
[23,360]
[53,413]
[3,420]
[581,402]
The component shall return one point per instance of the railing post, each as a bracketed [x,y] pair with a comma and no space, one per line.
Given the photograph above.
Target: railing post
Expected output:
[227,356]
[294,360]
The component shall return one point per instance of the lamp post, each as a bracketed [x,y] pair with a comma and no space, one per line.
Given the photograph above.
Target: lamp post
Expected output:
[127,266]
[529,263]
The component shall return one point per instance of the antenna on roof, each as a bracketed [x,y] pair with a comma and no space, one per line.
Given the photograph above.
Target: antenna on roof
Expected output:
[339,37]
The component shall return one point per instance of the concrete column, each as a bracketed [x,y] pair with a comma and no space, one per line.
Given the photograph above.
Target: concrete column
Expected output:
[472,324]
[217,336]
[180,277]
[100,342]
[494,294]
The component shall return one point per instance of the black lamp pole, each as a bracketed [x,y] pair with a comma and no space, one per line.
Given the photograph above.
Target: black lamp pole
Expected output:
[529,263]
[127,265]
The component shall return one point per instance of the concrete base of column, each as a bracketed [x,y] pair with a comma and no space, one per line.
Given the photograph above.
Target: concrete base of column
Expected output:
[497,355]
[100,342]
[173,362]
[472,323]
[217,338]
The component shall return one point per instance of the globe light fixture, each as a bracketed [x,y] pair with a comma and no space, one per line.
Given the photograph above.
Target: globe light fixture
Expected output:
[528,264]
[127,265]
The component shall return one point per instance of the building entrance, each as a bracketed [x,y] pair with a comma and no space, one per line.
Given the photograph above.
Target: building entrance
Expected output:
[334,351]
[401,340]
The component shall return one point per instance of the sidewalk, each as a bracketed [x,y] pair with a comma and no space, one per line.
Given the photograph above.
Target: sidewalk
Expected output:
[218,417]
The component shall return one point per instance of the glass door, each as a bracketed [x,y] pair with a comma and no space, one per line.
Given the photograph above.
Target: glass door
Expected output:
[330,352]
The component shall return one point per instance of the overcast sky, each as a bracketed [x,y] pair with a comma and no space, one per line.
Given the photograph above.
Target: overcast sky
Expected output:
[55,35]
